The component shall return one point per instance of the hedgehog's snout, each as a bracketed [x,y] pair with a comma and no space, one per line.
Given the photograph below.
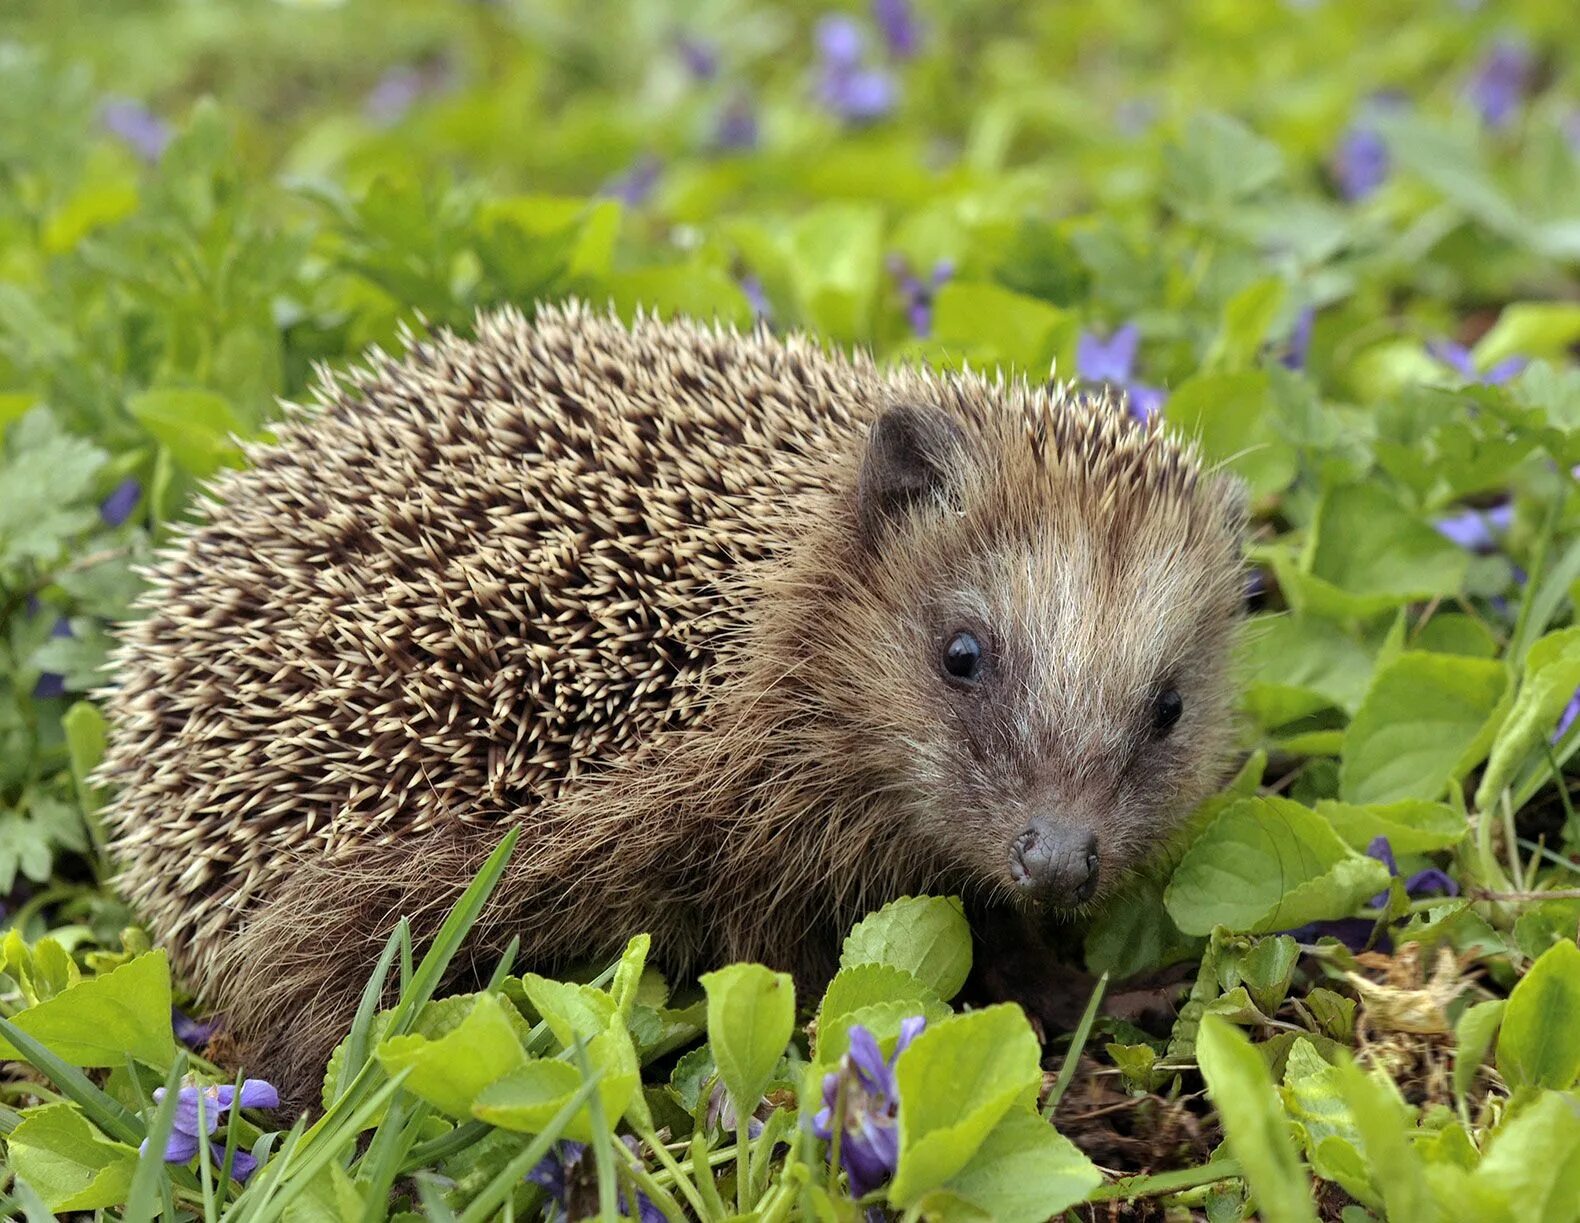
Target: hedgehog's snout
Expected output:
[1055,863]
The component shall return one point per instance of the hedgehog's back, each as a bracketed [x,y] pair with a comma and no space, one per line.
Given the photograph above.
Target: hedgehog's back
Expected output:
[472,573]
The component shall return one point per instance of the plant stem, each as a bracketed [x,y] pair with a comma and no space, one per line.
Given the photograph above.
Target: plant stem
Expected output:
[672,1166]
[1077,1045]
[1166,1182]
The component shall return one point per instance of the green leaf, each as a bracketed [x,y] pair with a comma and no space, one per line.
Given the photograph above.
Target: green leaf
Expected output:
[1322,1120]
[956,1081]
[1025,1171]
[1230,414]
[1247,319]
[570,1009]
[103,1020]
[628,974]
[1550,680]
[1386,1124]
[751,1015]
[197,427]
[1269,864]
[834,255]
[1220,163]
[926,936]
[1372,555]
[48,476]
[526,1099]
[864,984]
[991,325]
[1539,1042]
[1533,1163]
[69,1163]
[1531,330]
[451,1071]
[1412,827]
[1428,720]
[1300,664]
[1253,1122]
[1473,1034]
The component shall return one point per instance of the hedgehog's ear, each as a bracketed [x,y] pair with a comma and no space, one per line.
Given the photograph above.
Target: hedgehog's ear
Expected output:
[914,455]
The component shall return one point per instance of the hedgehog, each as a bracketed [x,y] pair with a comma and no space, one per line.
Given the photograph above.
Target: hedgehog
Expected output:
[747,636]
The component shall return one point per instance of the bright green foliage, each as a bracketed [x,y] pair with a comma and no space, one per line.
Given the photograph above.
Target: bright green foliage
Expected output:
[334,172]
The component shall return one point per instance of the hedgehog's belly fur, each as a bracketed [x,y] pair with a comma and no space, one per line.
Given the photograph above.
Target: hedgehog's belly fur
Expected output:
[467,579]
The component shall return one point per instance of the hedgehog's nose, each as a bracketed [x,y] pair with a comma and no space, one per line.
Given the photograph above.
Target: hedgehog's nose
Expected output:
[1055,864]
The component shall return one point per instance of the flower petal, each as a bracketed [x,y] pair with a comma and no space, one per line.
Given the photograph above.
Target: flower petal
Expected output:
[242,1164]
[181,1147]
[258,1093]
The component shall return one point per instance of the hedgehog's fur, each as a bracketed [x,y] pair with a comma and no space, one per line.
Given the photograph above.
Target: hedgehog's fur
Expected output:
[627,587]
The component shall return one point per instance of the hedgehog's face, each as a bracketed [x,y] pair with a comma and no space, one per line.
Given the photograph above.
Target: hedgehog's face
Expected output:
[1056,688]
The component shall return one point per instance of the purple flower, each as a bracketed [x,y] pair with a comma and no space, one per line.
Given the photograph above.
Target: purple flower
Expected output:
[1360,163]
[216,1100]
[1458,358]
[847,87]
[870,1139]
[721,1112]
[193,1033]
[752,287]
[558,1173]
[118,506]
[50,684]
[1112,361]
[898,24]
[918,294]
[1571,130]
[1567,718]
[737,126]
[700,56]
[1299,345]
[1500,82]
[1473,529]
[1424,882]
[635,187]
[145,132]
[392,95]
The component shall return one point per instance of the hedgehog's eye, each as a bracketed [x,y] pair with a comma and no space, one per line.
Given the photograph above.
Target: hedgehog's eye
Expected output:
[963,658]
[1166,711]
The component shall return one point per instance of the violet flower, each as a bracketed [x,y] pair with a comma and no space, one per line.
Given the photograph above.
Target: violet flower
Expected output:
[870,1142]
[752,287]
[118,506]
[847,86]
[1356,932]
[897,22]
[1424,882]
[50,684]
[917,293]
[1567,718]
[560,1172]
[635,186]
[721,1112]
[1458,358]
[1500,82]
[1298,347]
[1361,162]
[1474,530]
[193,1033]
[138,127]
[737,124]
[217,1100]
[1112,361]
[700,56]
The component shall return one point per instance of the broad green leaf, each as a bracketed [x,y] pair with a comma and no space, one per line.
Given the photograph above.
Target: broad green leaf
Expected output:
[751,1015]
[1323,1122]
[48,476]
[528,1098]
[956,1081]
[927,936]
[1539,1042]
[1531,330]
[1411,826]
[1025,1171]
[835,257]
[449,1072]
[69,1163]
[569,1008]
[1269,864]
[197,427]
[101,1021]
[1247,319]
[1297,665]
[1473,1036]
[1220,163]
[1533,1163]
[1427,720]
[628,974]
[1386,1123]
[864,984]
[1549,682]
[1253,1121]
[1231,415]
[882,1019]
[993,324]
[1374,555]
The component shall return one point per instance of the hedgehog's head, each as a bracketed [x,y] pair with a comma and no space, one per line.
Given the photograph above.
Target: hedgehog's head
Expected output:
[1046,606]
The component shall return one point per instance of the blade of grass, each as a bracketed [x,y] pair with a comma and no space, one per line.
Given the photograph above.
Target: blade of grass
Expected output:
[451,934]
[356,1053]
[205,1158]
[144,1194]
[608,1199]
[106,1112]
[435,1150]
[507,1178]
[232,1137]
[382,1163]
[506,963]
[1077,1045]
[702,1176]
[431,1193]
[263,1185]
